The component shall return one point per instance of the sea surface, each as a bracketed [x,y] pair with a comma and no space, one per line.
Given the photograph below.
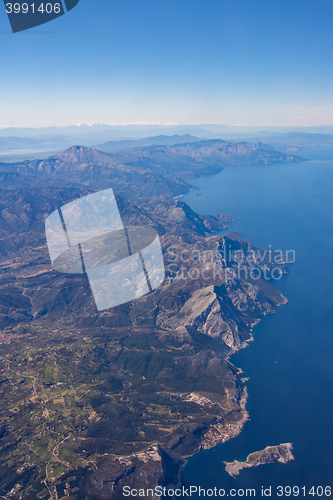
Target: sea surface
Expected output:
[290,363]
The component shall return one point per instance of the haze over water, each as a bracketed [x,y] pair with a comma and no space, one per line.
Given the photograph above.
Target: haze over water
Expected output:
[290,363]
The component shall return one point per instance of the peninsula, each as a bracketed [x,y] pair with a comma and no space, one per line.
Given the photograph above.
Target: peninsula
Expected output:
[271,454]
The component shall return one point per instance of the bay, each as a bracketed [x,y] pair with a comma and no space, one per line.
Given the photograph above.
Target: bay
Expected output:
[290,363]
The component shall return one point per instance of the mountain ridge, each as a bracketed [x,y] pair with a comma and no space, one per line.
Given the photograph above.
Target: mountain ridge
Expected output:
[165,169]
[160,140]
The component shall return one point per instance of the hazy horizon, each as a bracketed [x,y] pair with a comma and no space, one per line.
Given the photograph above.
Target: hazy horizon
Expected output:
[256,64]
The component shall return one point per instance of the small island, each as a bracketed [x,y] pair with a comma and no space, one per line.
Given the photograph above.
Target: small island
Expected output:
[271,454]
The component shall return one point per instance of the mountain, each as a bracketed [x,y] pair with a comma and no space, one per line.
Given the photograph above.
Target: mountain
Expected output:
[149,171]
[93,401]
[89,167]
[123,396]
[159,140]
[204,157]
[212,151]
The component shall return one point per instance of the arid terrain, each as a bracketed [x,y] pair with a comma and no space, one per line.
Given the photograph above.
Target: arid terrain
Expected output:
[91,400]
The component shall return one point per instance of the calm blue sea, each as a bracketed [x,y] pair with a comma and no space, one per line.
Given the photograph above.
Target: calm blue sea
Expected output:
[290,363]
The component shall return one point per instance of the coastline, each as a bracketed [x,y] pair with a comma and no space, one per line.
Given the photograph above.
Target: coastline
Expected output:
[227,431]
[220,433]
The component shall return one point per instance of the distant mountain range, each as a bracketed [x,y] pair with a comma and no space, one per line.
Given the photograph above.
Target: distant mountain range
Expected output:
[151,170]
[159,140]
[297,141]
[41,143]
[137,130]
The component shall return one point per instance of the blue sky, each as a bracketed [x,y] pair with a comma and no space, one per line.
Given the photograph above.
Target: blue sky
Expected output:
[259,62]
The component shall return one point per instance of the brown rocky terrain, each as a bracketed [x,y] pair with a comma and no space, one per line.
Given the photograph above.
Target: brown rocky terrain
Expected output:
[93,401]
